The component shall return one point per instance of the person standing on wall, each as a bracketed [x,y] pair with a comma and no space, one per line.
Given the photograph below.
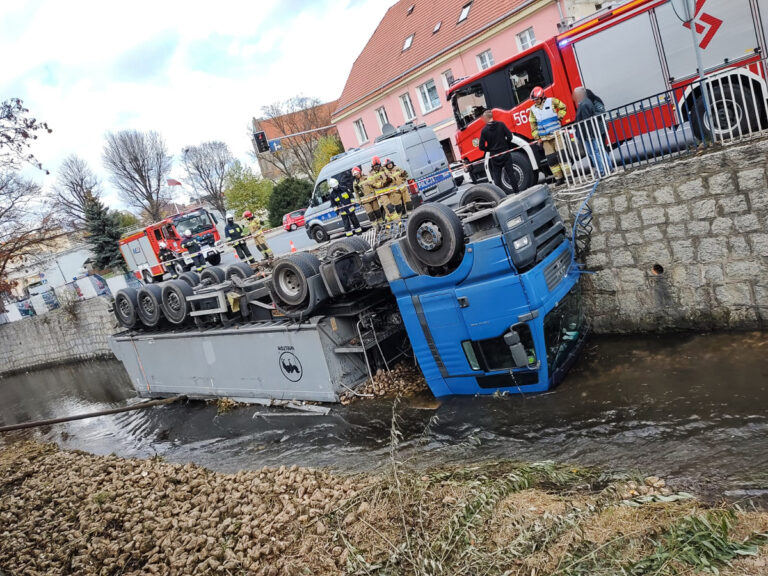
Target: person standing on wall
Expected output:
[588,130]
[546,116]
[496,140]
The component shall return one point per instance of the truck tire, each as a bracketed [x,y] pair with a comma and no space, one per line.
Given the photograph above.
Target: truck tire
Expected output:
[732,117]
[174,301]
[435,235]
[126,306]
[191,278]
[150,302]
[213,275]
[290,277]
[347,245]
[483,193]
[150,278]
[523,172]
[214,259]
[239,269]
[179,268]
[319,234]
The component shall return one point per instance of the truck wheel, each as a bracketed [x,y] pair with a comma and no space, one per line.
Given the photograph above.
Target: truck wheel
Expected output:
[179,268]
[126,306]
[435,235]
[731,116]
[239,269]
[483,193]
[191,278]
[214,259]
[213,275]
[290,277]
[523,173]
[347,245]
[174,301]
[319,234]
[150,299]
[150,278]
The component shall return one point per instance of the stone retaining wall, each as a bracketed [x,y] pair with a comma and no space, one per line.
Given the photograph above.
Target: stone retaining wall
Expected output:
[64,335]
[682,245]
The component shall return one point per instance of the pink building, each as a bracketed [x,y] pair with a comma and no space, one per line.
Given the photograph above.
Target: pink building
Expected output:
[420,47]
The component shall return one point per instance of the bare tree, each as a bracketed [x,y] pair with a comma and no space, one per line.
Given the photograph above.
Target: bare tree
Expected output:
[76,184]
[139,164]
[17,130]
[301,119]
[206,166]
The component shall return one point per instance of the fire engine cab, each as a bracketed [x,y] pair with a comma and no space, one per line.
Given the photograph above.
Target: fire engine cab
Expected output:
[141,248]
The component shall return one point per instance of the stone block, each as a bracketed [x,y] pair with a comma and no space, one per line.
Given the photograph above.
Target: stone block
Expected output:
[630,221]
[682,250]
[606,223]
[734,294]
[601,205]
[654,253]
[758,199]
[761,295]
[653,215]
[738,245]
[615,241]
[633,238]
[712,249]
[721,183]
[759,244]
[703,209]
[640,198]
[664,195]
[692,189]
[652,234]
[678,213]
[675,231]
[622,258]
[722,226]
[604,281]
[597,242]
[631,278]
[743,270]
[698,228]
[746,223]
[752,180]
[620,204]
[597,260]
[734,204]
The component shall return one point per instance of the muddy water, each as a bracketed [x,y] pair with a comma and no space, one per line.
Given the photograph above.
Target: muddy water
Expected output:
[691,408]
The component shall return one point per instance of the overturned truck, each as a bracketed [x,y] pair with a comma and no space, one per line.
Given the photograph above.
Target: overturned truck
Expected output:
[484,297]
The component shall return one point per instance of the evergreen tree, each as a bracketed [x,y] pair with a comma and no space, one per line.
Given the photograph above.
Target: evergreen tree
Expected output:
[103,229]
[290,194]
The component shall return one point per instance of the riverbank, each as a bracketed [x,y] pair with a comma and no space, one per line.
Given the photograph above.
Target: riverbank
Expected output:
[65,512]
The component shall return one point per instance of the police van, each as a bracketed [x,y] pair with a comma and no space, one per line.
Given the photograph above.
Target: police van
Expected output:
[414,148]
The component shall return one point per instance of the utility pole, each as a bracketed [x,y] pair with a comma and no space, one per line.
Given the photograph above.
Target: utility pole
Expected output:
[690,14]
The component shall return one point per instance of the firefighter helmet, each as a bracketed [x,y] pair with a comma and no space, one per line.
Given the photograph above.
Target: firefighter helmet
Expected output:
[188,233]
[356,170]
[537,92]
[389,161]
[375,161]
[333,183]
[247,214]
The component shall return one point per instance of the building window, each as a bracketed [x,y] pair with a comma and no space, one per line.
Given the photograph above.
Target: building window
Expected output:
[437,27]
[485,60]
[408,111]
[526,39]
[381,116]
[408,42]
[447,78]
[362,135]
[464,12]
[428,96]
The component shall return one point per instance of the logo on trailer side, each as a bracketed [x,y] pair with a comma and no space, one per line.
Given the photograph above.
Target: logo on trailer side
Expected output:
[290,365]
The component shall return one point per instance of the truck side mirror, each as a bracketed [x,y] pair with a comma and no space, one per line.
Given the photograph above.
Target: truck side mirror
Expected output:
[516,348]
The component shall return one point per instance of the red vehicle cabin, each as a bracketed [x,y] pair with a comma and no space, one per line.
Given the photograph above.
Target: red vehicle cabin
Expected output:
[141,248]
[624,54]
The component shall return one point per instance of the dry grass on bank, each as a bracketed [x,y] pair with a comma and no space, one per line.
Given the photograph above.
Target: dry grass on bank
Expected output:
[74,513]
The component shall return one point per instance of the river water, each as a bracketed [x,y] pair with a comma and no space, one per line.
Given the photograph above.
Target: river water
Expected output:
[690,408]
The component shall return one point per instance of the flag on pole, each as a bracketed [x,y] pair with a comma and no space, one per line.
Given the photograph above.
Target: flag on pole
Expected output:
[172,182]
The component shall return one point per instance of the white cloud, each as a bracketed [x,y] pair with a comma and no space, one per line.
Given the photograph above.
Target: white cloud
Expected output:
[194,71]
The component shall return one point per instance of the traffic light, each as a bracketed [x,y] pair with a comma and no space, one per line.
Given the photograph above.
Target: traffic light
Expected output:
[262,144]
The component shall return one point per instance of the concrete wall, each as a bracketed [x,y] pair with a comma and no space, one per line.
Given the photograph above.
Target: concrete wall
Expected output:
[57,337]
[704,221]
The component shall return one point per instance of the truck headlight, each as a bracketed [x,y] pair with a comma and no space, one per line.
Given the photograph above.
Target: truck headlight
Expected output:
[521,243]
[513,222]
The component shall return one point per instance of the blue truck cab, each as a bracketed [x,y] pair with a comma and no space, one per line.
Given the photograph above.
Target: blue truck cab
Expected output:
[505,314]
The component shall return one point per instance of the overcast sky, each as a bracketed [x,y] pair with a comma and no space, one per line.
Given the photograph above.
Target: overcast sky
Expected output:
[192,70]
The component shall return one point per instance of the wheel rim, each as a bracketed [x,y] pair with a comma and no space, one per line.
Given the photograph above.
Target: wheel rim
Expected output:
[125,307]
[429,237]
[148,278]
[728,117]
[174,302]
[290,283]
[518,177]
[319,234]
[147,306]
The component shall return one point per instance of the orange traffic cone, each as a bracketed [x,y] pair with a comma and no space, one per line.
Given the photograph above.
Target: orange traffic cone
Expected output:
[293,248]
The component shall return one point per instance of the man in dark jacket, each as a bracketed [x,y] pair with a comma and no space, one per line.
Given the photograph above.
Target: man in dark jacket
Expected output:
[497,139]
[589,128]
[234,233]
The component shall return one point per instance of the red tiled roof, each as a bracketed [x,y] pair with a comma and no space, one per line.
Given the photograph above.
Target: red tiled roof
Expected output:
[383,60]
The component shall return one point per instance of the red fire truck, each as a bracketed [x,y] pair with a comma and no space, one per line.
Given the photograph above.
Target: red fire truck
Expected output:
[141,248]
[623,54]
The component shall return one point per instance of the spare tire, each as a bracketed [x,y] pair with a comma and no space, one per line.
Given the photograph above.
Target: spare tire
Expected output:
[126,306]
[191,278]
[290,277]
[213,275]
[347,245]
[239,269]
[150,301]
[175,305]
[435,235]
[483,193]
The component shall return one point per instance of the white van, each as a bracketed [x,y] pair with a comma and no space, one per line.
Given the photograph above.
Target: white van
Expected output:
[413,148]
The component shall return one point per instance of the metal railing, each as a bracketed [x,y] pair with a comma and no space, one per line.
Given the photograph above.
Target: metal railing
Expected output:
[666,126]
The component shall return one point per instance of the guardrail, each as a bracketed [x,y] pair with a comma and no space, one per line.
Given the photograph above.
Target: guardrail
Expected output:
[726,107]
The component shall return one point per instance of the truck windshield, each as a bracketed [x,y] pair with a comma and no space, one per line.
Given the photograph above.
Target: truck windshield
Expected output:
[469,103]
[195,222]
[563,327]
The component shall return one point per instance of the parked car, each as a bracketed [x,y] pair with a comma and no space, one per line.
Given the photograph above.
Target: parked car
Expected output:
[294,220]
[414,148]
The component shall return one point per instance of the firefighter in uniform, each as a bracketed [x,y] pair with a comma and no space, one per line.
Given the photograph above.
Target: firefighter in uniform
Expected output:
[167,257]
[400,197]
[341,201]
[380,181]
[258,235]
[234,233]
[366,194]
[545,118]
[190,245]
